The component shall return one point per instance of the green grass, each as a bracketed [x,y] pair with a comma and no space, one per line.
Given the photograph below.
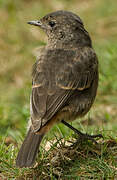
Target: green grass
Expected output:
[18,42]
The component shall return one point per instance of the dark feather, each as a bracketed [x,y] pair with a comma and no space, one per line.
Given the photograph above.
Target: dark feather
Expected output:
[29,149]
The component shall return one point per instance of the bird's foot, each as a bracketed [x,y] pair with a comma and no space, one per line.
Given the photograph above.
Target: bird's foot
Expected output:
[83,137]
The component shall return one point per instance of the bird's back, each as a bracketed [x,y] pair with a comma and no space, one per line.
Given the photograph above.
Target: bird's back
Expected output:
[62,76]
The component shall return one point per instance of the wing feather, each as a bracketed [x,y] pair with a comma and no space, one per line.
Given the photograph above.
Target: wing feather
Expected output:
[55,79]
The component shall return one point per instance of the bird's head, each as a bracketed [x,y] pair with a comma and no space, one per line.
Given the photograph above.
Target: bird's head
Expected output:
[63,27]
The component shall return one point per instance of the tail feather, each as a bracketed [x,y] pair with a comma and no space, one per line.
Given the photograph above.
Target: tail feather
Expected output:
[29,149]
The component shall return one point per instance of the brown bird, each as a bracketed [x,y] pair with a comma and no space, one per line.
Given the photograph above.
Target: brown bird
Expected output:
[64,80]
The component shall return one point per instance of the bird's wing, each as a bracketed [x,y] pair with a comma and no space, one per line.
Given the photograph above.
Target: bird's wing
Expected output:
[56,77]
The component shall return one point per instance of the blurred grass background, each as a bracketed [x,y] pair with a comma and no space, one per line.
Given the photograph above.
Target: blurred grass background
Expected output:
[18,42]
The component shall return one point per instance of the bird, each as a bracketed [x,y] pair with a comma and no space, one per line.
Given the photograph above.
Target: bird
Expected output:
[64,80]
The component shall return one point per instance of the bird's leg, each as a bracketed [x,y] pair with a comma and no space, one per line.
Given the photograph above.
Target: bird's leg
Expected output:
[81,135]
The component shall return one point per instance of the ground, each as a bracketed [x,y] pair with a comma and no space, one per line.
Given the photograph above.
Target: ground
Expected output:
[18,45]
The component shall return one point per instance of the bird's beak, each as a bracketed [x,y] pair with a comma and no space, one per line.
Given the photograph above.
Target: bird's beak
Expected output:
[35,23]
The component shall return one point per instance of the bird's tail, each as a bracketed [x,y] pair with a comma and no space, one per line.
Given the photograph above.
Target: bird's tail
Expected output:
[29,149]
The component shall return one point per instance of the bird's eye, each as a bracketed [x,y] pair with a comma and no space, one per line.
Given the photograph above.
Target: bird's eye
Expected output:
[52,23]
